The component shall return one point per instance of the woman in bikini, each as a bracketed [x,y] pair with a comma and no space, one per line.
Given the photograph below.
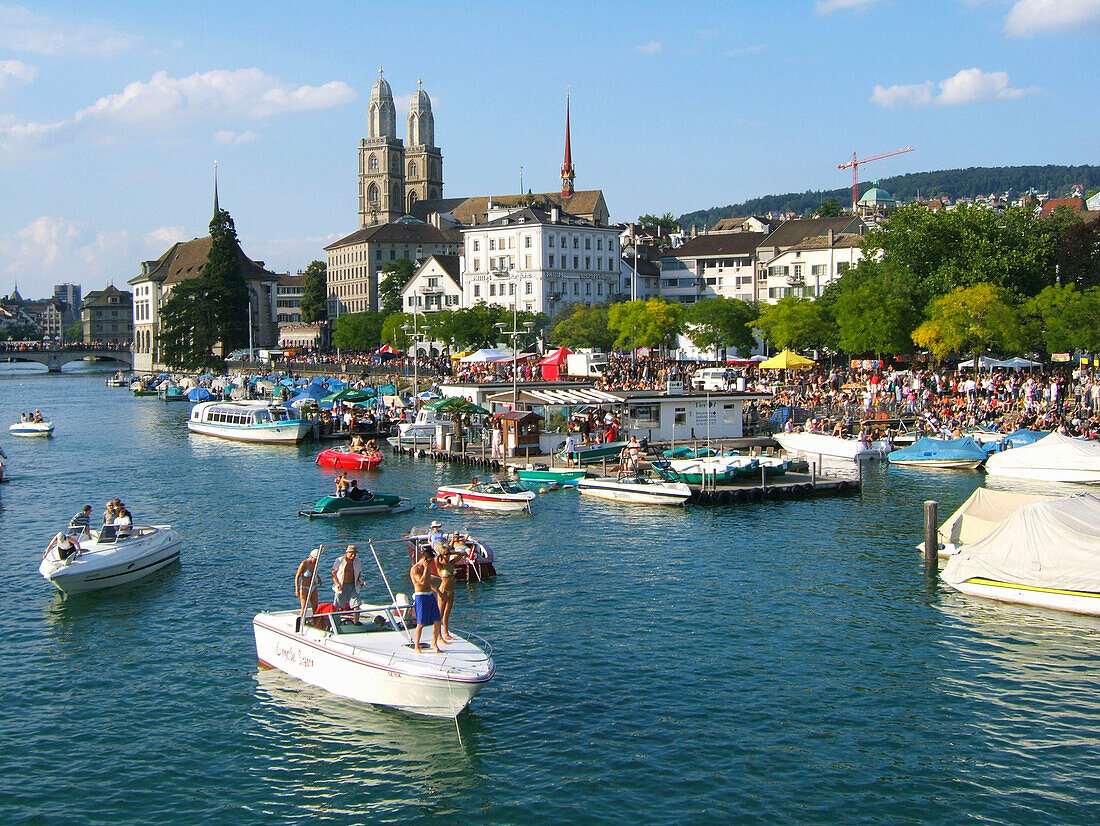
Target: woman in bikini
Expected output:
[303,580]
[446,569]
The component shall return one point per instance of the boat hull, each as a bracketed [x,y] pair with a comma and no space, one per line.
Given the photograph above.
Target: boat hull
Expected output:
[828,447]
[432,687]
[584,454]
[330,507]
[31,429]
[278,433]
[464,497]
[940,464]
[1044,474]
[1077,602]
[655,494]
[121,564]
[343,460]
[551,476]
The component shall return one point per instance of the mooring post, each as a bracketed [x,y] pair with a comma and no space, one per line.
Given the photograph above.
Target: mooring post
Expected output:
[860,465]
[605,465]
[813,478]
[763,479]
[931,536]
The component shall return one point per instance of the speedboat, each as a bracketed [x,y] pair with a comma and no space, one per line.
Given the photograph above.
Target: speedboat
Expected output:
[248,422]
[107,559]
[117,380]
[636,488]
[1046,554]
[833,448]
[487,496]
[31,429]
[347,460]
[949,454]
[370,504]
[476,564]
[1054,458]
[979,516]
[422,430]
[367,655]
[554,476]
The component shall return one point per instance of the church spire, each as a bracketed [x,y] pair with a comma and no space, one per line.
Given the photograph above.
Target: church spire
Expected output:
[567,171]
[215,189]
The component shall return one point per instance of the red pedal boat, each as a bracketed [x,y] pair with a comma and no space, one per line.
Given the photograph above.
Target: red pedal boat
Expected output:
[349,461]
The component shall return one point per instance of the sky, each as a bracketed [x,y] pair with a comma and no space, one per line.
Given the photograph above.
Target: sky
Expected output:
[113,114]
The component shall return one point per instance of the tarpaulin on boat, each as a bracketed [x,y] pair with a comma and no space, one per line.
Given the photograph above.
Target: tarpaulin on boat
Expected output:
[1049,544]
[927,449]
[979,515]
[1052,451]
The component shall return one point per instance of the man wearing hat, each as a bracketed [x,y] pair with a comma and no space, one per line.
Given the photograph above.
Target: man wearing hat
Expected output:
[435,533]
[347,576]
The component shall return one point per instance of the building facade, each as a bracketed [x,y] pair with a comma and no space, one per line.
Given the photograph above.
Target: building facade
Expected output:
[714,265]
[435,286]
[108,316]
[288,298]
[806,269]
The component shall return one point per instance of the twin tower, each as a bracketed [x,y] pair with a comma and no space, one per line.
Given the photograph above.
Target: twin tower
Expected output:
[392,176]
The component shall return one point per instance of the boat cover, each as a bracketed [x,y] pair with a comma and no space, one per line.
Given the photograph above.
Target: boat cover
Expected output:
[929,449]
[981,513]
[1052,451]
[1050,544]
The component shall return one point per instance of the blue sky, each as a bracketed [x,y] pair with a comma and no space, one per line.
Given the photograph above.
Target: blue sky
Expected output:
[112,114]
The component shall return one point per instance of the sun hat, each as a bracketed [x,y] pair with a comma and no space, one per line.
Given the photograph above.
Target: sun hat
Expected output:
[436,524]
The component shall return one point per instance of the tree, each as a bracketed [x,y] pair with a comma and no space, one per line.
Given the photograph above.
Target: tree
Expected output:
[208,311]
[585,325]
[969,320]
[653,323]
[393,332]
[830,208]
[797,324]
[721,323]
[665,223]
[1077,254]
[394,276]
[357,331]
[75,331]
[1062,318]
[874,309]
[314,301]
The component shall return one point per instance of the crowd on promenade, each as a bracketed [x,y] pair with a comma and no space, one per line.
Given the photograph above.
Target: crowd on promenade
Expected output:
[36,346]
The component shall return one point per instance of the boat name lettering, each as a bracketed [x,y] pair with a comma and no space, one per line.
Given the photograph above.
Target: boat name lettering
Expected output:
[293,655]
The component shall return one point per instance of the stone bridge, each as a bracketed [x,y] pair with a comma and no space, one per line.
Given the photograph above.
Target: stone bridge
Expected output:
[55,358]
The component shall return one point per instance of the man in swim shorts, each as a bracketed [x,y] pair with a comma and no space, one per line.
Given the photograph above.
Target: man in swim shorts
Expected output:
[425,600]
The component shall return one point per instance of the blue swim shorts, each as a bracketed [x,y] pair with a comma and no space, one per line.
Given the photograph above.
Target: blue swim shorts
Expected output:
[427,609]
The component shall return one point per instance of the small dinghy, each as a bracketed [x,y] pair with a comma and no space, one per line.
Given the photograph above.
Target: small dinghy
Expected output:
[81,559]
[369,504]
[347,460]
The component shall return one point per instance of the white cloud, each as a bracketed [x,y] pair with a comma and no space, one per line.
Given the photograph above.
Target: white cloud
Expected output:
[165,102]
[50,250]
[652,47]
[745,50]
[829,6]
[235,138]
[13,72]
[968,86]
[163,237]
[1027,17]
[23,31]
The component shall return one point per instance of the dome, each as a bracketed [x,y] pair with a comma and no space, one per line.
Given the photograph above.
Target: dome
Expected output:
[381,91]
[420,102]
[875,195]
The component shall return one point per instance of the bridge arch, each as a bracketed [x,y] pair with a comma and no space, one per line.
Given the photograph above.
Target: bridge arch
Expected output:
[56,358]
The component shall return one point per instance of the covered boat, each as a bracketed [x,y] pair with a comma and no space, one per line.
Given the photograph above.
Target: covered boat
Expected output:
[1054,458]
[348,460]
[488,496]
[248,422]
[834,448]
[978,516]
[546,475]
[108,558]
[477,564]
[370,503]
[951,454]
[636,488]
[367,655]
[31,429]
[719,470]
[1046,553]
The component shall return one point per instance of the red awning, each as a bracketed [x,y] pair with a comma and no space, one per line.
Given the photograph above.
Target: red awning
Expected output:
[557,358]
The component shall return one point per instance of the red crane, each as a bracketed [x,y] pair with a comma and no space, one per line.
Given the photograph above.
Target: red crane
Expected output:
[855,162]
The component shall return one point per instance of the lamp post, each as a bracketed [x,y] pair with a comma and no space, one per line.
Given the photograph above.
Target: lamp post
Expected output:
[413,331]
[515,334]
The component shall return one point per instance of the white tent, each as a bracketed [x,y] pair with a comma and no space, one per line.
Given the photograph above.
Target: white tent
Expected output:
[984,363]
[485,354]
[1018,363]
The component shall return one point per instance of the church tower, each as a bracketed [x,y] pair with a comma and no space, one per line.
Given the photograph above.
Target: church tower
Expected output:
[423,160]
[381,160]
[568,173]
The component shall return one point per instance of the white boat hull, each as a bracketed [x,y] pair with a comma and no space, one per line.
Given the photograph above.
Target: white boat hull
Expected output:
[107,565]
[462,497]
[669,493]
[1047,474]
[387,673]
[280,433]
[829,447]
[1077,602]
[31,429]
[940,464]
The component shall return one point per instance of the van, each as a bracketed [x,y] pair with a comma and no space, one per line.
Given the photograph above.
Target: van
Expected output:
[710,378]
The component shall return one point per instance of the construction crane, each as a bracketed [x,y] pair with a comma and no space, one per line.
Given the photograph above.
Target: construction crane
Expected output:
[855,162]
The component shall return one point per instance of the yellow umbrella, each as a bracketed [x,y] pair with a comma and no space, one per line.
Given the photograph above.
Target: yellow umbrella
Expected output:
[786,361]
[463,354]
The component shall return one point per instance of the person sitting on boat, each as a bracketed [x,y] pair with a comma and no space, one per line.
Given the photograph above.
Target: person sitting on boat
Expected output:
[474,483]
[304,588]
[110,514]
[435,533]
[37,415]
[22,418]
[425,600]
[123,523]
[66,546]
[347,576]
[82,520]
[356,494]
[357,445]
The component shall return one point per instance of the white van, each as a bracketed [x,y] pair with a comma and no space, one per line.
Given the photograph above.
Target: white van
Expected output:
[710,378]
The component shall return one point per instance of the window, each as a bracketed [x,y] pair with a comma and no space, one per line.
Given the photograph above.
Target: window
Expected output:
[492,243]
[393,255]
[599,243]
[477,290]
[372,165]
[511,289]
[477,245]
[563,244]
[527,242]
[492,289]
[576,288]
[843,266]
[587,243]
[477,264]
[818,269]
[778,272]
[588,262]
[576,262]
[412,169]
[549,240]
[599,288]
[550,261]
[576,243]
[527,262]
[527,288]
[588,288]
[372,194]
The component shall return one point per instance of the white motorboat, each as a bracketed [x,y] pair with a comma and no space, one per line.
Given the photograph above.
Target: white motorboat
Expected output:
[367,655]
[248,422]
[636,488]
[940,454]
[107,559]
[487,496]
[1054,458]
[31,429]
[811,445]
[1046,554]
[422,430]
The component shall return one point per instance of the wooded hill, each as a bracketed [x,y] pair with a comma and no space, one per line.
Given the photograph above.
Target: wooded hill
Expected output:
[952,183]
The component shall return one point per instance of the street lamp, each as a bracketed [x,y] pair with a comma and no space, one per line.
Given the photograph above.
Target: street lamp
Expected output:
[413,331]
[515,334]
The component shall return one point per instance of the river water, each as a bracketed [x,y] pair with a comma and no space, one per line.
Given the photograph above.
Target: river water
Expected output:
[782,662]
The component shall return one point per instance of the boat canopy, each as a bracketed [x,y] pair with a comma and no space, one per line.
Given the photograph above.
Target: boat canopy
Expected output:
[981,513]
[1052,451]
[1050,544]
[943,449]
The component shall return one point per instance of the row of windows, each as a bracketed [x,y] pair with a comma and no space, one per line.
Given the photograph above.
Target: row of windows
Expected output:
[419,300]
[493,243]
[499,290]
[508,262]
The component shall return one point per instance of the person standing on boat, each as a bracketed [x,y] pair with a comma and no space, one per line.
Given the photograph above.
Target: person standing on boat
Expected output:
[347,576]
[425,600]
[444,564]
[82,520]
[569,449]
[341,484]
[110,514]
[304,578]
[435,533]
[123,523]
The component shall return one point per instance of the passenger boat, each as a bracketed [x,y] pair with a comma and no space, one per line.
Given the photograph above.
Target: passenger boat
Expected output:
[1045,554]
[367,655]
[346,460]
[636,488]
[248,422]
[31,429]
[940,454]
[108,559]
[477,564]
[552,476]
[422,430]
[487,496]
[833,448]
[370,504]
[1054,458]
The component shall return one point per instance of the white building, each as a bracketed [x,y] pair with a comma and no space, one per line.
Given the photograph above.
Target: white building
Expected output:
[712,266]
[539,260]
[805,270]
[436,285]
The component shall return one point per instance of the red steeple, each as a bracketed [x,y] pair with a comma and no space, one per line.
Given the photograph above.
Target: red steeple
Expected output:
[567,171]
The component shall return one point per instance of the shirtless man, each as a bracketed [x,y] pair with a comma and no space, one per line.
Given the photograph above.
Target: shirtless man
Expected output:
[425,600]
